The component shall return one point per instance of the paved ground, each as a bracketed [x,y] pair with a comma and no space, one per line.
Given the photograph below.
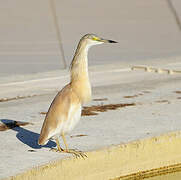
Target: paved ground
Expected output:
[28,43]
[156,111]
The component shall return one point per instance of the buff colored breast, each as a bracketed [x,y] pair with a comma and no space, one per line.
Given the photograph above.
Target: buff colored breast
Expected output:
[63,114]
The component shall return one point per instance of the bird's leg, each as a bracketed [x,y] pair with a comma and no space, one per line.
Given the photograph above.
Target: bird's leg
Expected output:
[72,151]
[59,149]
[64,140]
[58,145]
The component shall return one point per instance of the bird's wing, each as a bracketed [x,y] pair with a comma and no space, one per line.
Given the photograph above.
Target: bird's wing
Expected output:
[58,112]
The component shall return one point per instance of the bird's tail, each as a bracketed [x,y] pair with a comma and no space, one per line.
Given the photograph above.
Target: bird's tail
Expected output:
[42,141]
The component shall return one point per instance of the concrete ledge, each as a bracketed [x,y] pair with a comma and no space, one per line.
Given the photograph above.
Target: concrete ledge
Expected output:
[114,161]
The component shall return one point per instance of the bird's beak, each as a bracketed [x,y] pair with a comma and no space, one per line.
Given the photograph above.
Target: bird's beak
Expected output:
[107,41]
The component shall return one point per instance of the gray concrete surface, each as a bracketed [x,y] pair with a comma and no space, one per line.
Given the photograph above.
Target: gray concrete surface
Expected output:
[28,43]
[157,99]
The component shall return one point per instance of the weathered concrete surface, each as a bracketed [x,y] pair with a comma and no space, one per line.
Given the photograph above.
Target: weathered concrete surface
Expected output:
[157,99]
[136,160]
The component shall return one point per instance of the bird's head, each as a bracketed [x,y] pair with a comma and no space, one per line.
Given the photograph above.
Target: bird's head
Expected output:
[92,39]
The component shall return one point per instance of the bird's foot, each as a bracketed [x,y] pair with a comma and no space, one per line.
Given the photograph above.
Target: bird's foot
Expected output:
[76,153]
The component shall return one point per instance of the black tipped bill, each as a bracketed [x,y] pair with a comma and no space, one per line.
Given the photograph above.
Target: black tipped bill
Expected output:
[111,41]
[107,41]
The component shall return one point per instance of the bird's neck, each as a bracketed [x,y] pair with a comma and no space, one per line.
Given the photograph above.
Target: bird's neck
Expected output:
[79,74]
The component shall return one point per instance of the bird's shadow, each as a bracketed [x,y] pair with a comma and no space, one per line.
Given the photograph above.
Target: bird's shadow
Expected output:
[28,137]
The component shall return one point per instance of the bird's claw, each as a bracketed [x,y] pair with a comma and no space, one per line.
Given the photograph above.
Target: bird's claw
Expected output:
[76,153]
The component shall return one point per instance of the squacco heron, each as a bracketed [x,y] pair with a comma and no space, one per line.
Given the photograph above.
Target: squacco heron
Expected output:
[65,110]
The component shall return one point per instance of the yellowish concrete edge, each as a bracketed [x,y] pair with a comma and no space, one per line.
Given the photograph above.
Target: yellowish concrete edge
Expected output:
[113,161]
